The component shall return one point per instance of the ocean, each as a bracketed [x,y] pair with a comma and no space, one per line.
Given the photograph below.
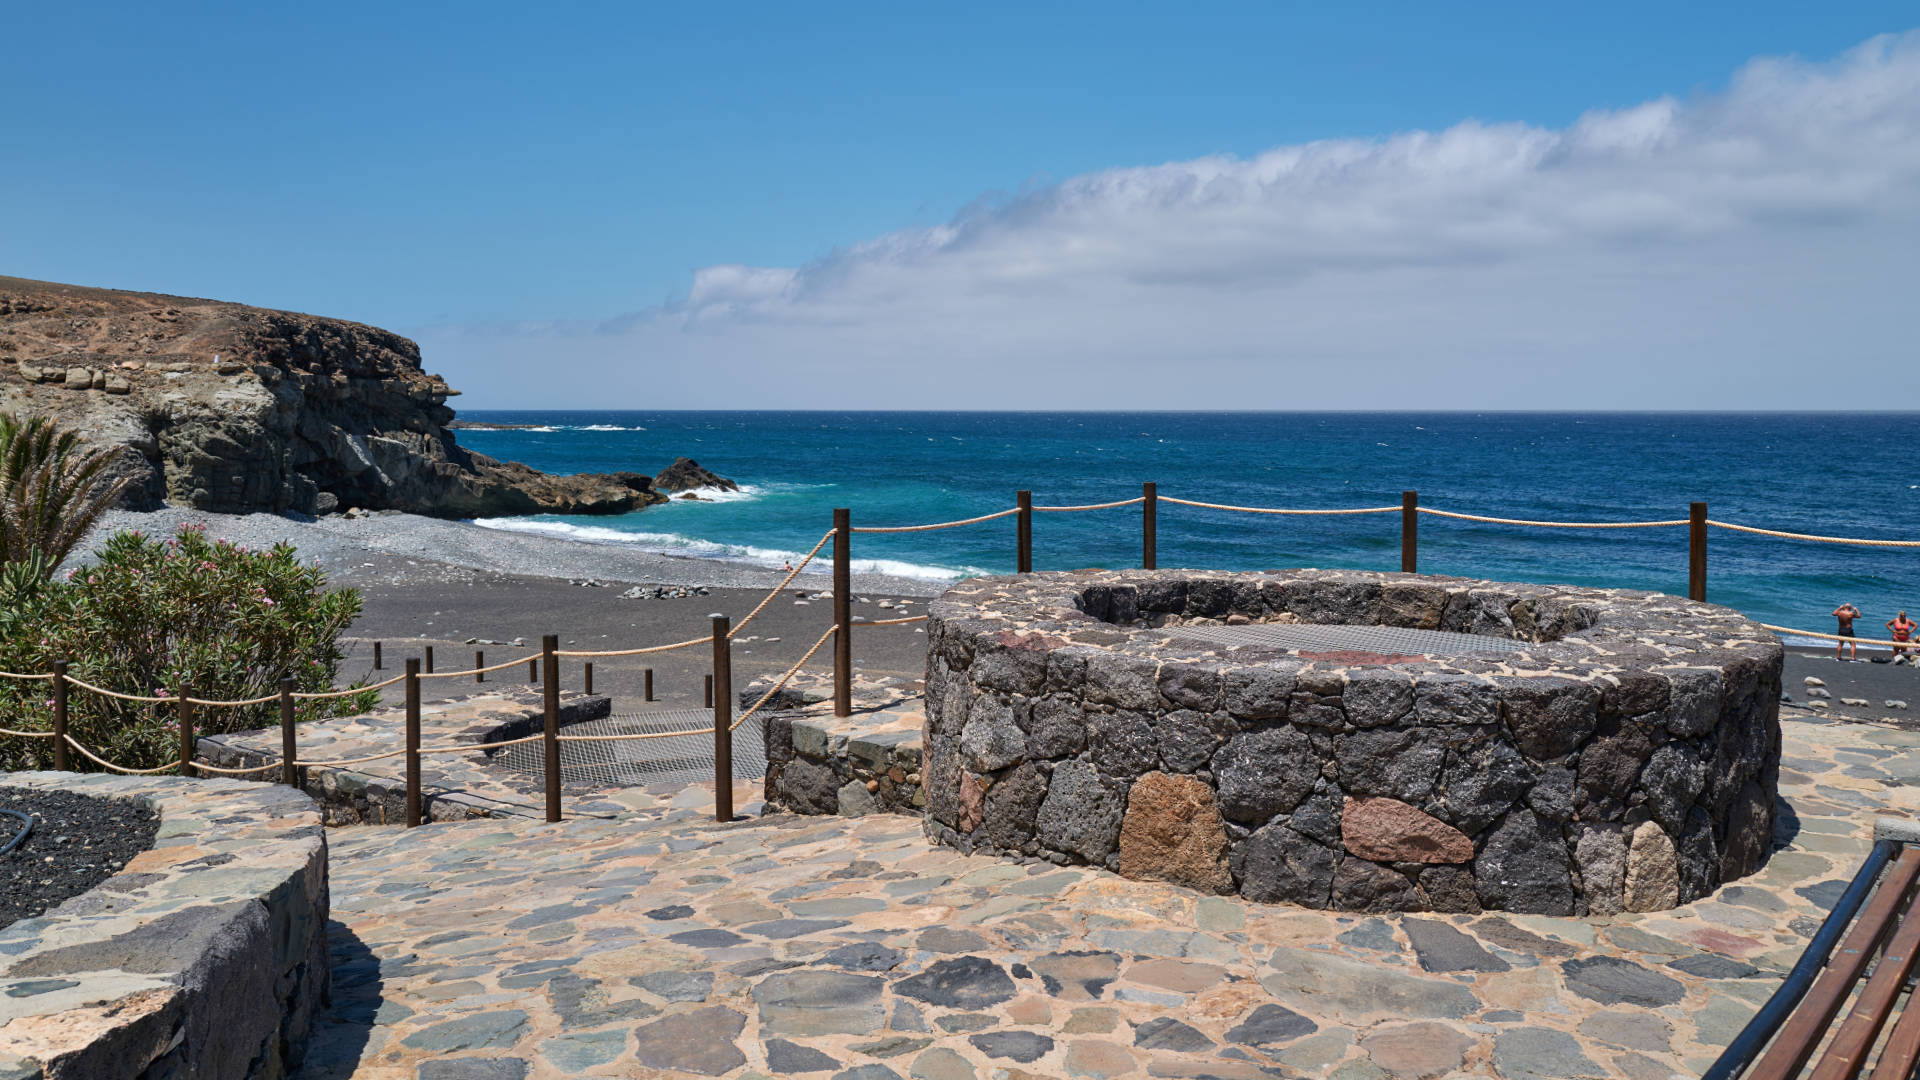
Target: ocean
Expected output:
[1832,474]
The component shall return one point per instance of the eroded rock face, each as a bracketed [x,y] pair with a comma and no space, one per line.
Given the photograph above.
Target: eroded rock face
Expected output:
[233,409]
[1622,759]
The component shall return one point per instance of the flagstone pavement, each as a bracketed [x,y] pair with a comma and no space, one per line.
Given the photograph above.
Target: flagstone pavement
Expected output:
[663,944]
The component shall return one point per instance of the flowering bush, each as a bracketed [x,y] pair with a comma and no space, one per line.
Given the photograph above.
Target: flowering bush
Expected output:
[149,617]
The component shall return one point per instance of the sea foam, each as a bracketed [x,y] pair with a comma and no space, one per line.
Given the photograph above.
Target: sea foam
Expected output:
[693,547]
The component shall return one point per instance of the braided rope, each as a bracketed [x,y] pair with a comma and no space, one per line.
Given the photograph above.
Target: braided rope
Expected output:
[231,704]
[1811,536]
[17,675]
[1899,646]
[26,734]
[775,688]
[103,691]
[795,572]
[689,643]
[1273,510]
[104,763]
[318,695]
[478,670]
[938,525]
[1555,524]
[1136,500]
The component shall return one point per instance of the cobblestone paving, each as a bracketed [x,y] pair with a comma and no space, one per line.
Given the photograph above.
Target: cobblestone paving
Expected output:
[663,944]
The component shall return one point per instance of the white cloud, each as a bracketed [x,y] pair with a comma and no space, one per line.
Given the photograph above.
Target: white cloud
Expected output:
[1750,249]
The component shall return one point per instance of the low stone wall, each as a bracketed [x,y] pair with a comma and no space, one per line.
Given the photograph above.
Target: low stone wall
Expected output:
[867,763]
[1626,758]
[205,958]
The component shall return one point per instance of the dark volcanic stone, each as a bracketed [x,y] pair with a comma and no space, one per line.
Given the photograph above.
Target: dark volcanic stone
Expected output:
[1612,981]
[1058,727]
[1481,783]
[1400,763]
[1673,778]
[1276,863]
[1359,885]
[964,982]
[1012,805]
[1270,1024]
[1442,948]
[1377,696]
[786,1058]
[1122,743]
[1080,814]
[1166,1033]
[1523,866]
[809,786]
[1263,773]
[1552,793]
[1319,816]
[77,842]
[864,956]
[1610,765]
[1188,739]
[1548,717]
[1450,889]
[1021,1046]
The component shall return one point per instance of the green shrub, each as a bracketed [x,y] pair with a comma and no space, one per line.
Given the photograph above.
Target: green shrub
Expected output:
[148,617]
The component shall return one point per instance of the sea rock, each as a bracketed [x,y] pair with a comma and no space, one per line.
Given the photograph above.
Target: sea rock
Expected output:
[686,474]
[1173,832]
[1388,830]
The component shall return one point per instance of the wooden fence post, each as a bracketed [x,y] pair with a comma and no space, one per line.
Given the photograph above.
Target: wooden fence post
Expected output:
[549,647]
[533,670]
[1409,532]
[479,661]
[1697,552]
[376,656]
[289,770]
[413,742]
[722,720]
[586,677]
[61,756]
[1149,526]
[843,612]
[706,692]
[429,667]
[646,675]
[186,729]
[1023,531]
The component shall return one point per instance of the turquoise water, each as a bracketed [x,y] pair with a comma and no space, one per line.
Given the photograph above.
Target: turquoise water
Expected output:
[1820,473]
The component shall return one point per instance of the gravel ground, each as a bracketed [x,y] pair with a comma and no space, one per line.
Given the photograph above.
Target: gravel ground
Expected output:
[77,842]
[342,544]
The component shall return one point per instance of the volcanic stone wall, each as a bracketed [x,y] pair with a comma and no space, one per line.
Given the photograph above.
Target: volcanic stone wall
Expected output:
[1626,760]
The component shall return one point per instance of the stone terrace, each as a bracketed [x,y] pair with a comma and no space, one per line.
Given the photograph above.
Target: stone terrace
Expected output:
[663,944]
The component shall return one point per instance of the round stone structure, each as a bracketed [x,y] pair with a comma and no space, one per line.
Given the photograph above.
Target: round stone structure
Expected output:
[1354,740]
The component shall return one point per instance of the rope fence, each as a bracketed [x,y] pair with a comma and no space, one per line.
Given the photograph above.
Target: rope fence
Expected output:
[840,631]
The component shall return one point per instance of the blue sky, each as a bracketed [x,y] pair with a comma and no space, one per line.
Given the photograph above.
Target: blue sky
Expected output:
[462,173]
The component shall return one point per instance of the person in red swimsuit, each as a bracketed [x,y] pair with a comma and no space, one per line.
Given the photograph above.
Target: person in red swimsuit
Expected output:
[1846,613]
[1902,629]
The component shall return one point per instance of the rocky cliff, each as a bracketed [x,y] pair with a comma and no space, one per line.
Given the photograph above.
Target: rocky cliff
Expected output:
[235,409]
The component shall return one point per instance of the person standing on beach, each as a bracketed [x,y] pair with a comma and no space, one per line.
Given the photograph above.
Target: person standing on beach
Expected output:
[1846,613]
[1902,629]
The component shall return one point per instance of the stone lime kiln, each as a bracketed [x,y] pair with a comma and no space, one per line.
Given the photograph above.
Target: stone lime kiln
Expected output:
[1360,741]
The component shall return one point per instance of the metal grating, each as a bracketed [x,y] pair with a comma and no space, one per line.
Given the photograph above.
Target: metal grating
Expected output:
[639,762]
[1381,641]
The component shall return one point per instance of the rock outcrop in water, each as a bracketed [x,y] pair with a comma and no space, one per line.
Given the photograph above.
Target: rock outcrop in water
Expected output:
[234,409]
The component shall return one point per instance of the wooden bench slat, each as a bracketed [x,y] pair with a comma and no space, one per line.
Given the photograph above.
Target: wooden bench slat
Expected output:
[1847,1054]
[1902,1051]
[1800,1035]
